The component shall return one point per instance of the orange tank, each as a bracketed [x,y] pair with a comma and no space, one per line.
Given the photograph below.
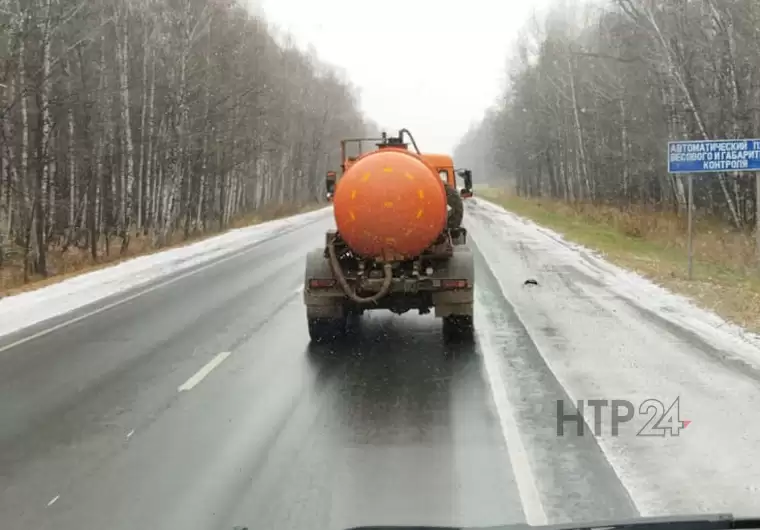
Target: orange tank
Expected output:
[390,204]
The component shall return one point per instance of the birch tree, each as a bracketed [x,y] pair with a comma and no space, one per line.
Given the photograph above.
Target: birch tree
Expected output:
[154,120]
[592,102]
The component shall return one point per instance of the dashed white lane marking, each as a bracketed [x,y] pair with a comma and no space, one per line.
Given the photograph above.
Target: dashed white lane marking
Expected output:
[203,372]
[52,501]
[518,456]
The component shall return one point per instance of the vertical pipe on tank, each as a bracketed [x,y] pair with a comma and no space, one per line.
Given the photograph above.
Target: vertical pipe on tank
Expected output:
[343,156]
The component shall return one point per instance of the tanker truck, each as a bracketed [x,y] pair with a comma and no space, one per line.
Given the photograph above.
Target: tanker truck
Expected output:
[399,244]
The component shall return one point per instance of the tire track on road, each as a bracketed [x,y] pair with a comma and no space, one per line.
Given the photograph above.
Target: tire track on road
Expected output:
[575,480]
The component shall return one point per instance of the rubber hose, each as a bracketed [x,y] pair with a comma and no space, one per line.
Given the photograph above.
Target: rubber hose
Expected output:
[338,272]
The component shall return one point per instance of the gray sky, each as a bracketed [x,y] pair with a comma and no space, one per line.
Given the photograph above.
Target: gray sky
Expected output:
[432,66]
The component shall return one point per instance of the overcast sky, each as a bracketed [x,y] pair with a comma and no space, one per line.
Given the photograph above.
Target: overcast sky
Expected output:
[432,66]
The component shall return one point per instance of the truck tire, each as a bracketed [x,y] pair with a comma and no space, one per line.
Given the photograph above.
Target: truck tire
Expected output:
[455,202]
[458,328]
[324,330]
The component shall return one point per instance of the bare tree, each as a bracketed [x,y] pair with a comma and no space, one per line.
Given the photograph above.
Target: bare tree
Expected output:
[154,119]
[591,106]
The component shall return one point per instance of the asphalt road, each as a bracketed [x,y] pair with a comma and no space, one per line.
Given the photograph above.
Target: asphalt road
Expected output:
[202,405]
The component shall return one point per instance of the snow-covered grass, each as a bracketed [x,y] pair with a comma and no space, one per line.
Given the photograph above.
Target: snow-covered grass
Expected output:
[608,333]
[25,309]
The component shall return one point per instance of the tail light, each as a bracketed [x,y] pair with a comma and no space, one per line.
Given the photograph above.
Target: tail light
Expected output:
[320,283]
[454,284]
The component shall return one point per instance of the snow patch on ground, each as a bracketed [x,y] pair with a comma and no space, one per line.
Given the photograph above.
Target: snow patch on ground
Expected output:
[607,333]
[674,308]
[26,309]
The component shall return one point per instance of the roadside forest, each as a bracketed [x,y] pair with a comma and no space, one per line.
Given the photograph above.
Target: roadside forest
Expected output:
[594,94]
[128,125]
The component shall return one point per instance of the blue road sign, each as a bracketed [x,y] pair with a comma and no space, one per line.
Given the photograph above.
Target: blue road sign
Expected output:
[713,156]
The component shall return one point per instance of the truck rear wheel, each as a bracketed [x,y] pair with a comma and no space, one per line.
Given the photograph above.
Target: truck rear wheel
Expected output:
[324,330]
[458,327]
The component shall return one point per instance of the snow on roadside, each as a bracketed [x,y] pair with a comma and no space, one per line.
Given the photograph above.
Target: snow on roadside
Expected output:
[607,333]
[26,309]
[674,308]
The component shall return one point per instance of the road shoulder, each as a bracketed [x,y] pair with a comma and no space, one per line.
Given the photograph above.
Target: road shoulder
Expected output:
[585,317]
[34,312]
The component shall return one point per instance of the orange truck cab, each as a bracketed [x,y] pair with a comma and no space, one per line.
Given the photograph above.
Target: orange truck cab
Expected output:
[444,164]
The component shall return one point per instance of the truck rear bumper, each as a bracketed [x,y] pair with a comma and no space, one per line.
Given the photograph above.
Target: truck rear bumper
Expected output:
[333,302]
[331,310]
[449,290]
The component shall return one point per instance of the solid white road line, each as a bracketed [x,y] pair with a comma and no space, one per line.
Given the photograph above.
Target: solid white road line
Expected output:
[518,457]
[203,372]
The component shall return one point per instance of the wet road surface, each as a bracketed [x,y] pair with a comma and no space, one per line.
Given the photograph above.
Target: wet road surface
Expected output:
[202,405]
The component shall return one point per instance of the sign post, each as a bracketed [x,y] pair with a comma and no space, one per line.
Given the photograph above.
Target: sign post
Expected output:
[757,215]
[714,156]
[690,229]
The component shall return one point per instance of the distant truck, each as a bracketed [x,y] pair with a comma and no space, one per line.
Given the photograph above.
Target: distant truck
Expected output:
[399,244]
